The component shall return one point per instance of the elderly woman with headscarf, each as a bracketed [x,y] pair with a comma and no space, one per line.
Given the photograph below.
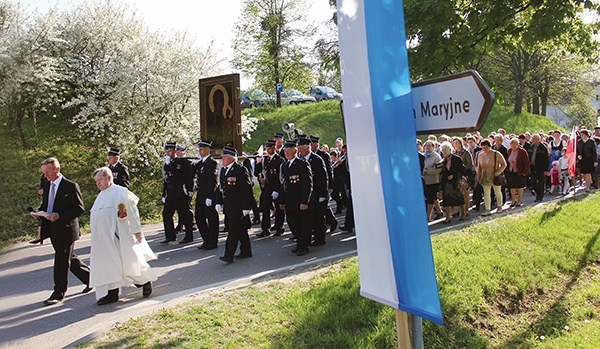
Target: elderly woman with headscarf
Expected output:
[452,171]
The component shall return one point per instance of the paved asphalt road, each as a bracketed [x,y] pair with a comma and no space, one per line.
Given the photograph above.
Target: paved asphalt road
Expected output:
[184,271]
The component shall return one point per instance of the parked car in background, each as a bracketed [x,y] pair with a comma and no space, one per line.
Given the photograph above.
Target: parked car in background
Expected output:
[249,103]
[255,98]
[291,97]
[324,93]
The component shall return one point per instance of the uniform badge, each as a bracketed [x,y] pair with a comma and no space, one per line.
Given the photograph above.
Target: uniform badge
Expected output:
[231,180]
[121,210]
[294,178]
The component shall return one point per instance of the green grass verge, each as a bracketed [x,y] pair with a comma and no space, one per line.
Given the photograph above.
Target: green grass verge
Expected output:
[525,281]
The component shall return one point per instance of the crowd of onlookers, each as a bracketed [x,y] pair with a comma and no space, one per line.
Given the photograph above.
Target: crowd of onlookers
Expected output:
[461,173]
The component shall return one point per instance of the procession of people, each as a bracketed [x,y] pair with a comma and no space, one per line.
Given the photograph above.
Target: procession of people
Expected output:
[301,184]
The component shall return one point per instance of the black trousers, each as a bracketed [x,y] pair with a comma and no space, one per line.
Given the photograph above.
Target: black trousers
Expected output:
[329,216]
[65,260]
[266,205]
[339,195]
[237,225]
[207,220]
[538,183]
[184,211]
[349,221]
[318,227]
[300,223]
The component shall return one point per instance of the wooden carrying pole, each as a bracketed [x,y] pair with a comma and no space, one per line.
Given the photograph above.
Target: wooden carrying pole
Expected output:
[403,329]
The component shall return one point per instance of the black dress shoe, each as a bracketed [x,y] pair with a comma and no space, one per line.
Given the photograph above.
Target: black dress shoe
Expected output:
[166,241]
[87,289]
[302,252]
[107,300]
[263,234]
[54,299]
[185,241]
[226,259]
[37,241]
[242,256]
[147,289]
[295,250]
[333,227]
[255,221]
[317,243]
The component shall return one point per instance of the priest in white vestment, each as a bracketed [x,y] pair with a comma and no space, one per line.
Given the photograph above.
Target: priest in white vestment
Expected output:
[119,252]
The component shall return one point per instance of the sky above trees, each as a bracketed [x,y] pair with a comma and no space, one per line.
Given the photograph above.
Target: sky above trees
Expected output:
[201,19]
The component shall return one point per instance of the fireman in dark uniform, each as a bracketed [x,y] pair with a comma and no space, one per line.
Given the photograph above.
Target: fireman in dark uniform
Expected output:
[236,200]
[178,186]
[271,189]
[297,181]
[207,217]
[278,137]
[314,147]
[319,195]
[119,171]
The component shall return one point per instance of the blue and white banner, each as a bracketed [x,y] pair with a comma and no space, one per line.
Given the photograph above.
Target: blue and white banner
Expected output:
[394,247]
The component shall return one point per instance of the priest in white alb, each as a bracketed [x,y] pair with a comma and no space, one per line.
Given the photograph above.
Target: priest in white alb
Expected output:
[119,251]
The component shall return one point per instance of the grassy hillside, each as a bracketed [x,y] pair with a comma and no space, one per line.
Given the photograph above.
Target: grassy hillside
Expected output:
[321,119]
[78,157]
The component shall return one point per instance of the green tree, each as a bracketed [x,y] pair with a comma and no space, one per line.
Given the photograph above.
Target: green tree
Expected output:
[267,44]
[449,36]
[327,53]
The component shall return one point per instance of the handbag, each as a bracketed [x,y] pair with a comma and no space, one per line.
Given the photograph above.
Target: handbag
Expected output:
[501,179]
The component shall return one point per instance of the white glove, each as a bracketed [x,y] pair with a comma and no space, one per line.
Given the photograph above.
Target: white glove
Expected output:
[163,200]
[190,194]
[274,195]
[195,161]
[167,159]
[246,212]
[322,199]
[208,202]
[219,208]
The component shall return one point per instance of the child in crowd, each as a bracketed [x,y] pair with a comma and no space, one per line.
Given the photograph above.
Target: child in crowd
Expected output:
[555,177]
[565,176]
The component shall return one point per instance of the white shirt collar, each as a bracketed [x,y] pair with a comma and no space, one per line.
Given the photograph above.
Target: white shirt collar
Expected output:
[57,181]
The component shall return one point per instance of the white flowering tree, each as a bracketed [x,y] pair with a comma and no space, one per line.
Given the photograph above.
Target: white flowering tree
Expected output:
[133,89]
[99,67]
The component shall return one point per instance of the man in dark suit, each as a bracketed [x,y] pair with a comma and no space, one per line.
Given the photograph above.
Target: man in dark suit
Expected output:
[119,171]
[271,189]
[207,218]
[63,204]
[320,194]
[236,200]
[539,160]
[178,186]
[297,180]
[315,148]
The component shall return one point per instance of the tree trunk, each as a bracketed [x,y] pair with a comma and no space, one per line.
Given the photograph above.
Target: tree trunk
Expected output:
[518,109]
[535,105]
